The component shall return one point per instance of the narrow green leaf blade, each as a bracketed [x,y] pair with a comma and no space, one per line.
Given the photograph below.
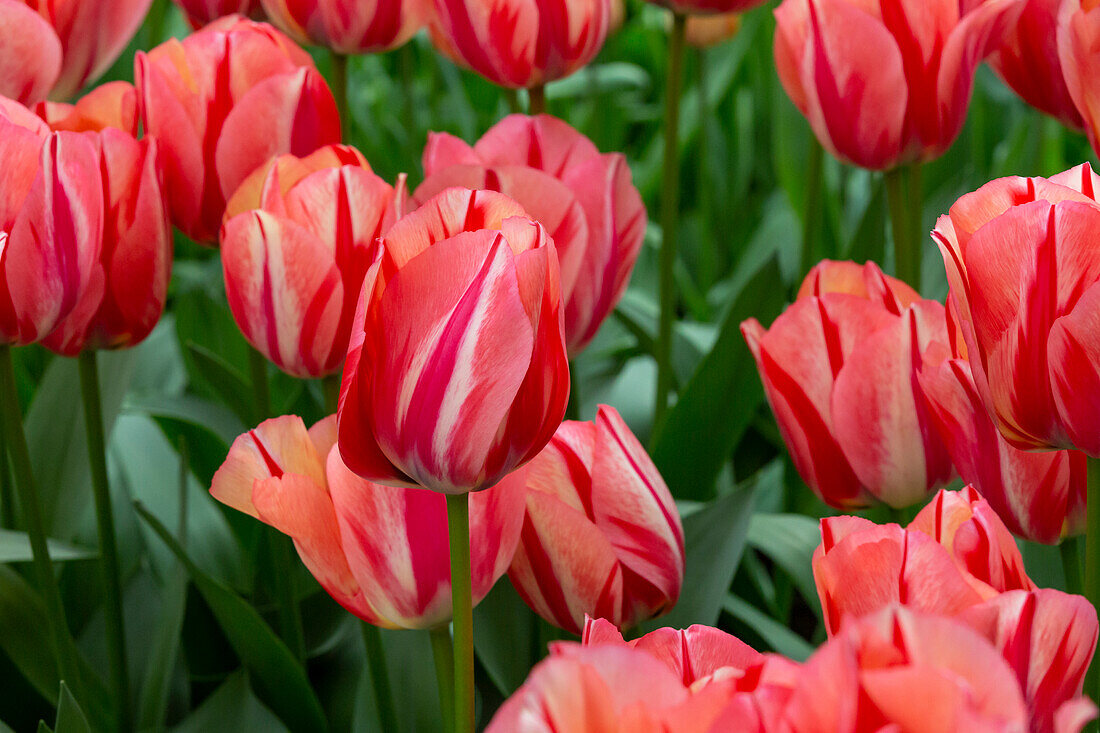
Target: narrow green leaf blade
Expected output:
[70,717]
[16,547]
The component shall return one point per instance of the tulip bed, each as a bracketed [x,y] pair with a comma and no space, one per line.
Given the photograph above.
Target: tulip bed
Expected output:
[318,318]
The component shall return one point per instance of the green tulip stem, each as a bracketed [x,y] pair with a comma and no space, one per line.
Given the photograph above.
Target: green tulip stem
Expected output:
[1092,562]
[1070,549]
[903,191]
[670,202]
[330,388]
[443,652]
[380,676]
[812,219]
[458,529]
[536,100]
[7,497]
[108,542]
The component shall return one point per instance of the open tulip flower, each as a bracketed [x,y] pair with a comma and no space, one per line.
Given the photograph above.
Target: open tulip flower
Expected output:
[456,372]
[1024,274]
[602,535]
[839,370]
[585,199]
[201,12]
[884,83]
[350,26]
[379,551]
[1077,36]
[299,238]
[223,101]
[544,40]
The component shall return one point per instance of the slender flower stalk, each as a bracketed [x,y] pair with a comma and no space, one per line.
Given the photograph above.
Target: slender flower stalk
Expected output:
[108,543]
[670,202]
[443,652]
[812,219]
[380,676]
[7,498]
[536,96]
[1070,550]
[1092,562]
[340,90]
[903,190]
[458,526]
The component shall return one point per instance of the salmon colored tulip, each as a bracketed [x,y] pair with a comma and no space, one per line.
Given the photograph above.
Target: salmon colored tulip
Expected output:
[457,372]
[114,104]
[709,6]
[125,298]
[586,201]
[51,224]
[886,82]
[1025,280]
[1040,496]
[521,43]
[602,536]
[295,255]
[350,26]
[222,102]
[1078,35]
[30,56]
[201,12]
[839,369]
[379,551]
[704,31]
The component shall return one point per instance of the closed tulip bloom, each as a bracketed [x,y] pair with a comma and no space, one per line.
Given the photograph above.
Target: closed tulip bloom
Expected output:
[375,549]
[295,256]
[30,57]
[350,26]
[1025,279]
[886,83]
[602,536]
[1077,35]
[1040,496]
[456,372]
[51,223]
[223,101]
[585,199]
[521,43]
[201,12]
[839,370]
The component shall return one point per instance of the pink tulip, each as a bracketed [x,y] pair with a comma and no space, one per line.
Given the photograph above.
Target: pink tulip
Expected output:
[1025,281]
[586,201]
[456,373]
[222,102]
[521,43]
[202,12]
[125,297]
[602,536]
[381,552]
[1040,496]
[709,6]
[350,26]
[886,83]
[30,57]
[839,369]
[296,254]
[1078,34]
[51,224]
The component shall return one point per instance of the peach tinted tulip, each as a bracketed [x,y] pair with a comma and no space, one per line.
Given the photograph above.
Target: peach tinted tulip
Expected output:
[456,372]
[1078,35]
[92,35]
[1040,496]
[51,223]
[886,82]
[114,104]
[585,199]
[602,535]
[350,26]
[521,43]
[839,370]
[125,299]
[201,12]
[223,101]
[380,551]
[1025,279]
[905,671]
[704,31]
[30,57]
[295,256]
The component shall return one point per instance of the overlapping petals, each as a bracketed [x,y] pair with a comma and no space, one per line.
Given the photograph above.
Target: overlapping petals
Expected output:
[350,26]
[30,57]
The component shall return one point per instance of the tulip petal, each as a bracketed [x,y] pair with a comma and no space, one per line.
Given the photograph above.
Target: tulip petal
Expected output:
[1073,356]
[541,141]
[30,57]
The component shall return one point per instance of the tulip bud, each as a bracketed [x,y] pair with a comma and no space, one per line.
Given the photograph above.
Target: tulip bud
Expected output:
[602,535]
[379,551]
[544,40]
[586,201]
[223,101]
[350,26]
[296,250]
[202,12]
[456,372]
[30,56]
[884,86]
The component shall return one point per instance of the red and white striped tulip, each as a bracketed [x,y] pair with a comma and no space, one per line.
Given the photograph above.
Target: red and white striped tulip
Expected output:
[1025,280]
[585,199]
[1078,34]
[602,536]
[201,12]
[51,224]
[350,26]
[456,373]
[379,551]
[886,83]
[299,242]
[521,43]
[223,101]
[30,56]
[839,370]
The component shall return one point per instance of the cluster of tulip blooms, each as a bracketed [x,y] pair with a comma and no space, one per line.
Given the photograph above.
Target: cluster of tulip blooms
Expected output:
[452,312]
